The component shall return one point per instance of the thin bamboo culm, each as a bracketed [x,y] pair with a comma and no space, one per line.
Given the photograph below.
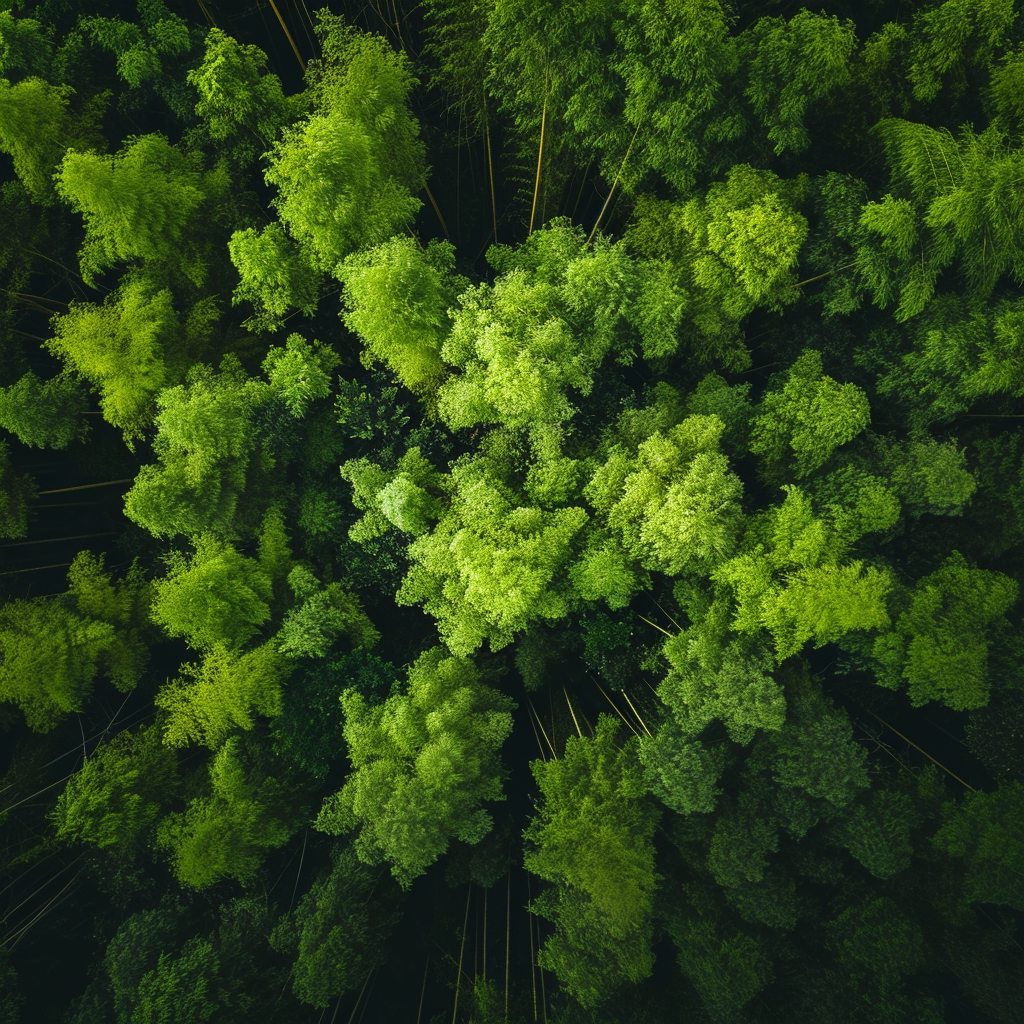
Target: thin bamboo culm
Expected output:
[533,974]
[295,49]
[458,980]
[540,153]
[508,919]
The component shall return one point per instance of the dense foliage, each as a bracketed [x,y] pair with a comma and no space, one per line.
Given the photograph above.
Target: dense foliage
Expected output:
[555,450]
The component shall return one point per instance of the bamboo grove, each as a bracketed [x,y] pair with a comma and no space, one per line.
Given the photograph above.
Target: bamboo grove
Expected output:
[512,510]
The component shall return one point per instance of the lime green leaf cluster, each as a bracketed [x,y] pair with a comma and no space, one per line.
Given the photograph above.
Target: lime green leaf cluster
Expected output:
[423,762]
[226,833]
[799,426]
[144,203]
[398,297]
[223,693]
[593,836]
[118,793]
[491,566]
[204,440]
[675,505]
[124,347]
[940,642]
[44,414]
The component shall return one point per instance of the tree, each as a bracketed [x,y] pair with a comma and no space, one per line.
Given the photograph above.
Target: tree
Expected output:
[491,566]
[940,644]
[204,441]
[966,214]
[225,834]
[675,506]
[239,102]
[423,762]
[125,605]
[216,597]
[734,249]
[115,798]
[275,275]
[44,414]
[681,772]
[793,65]
[593,830]
[311,627]
[398,295]
[336,934]
[984,831]
[799,426]
[345,175]
[592,838]
[210,700]
[300,372]
[181,987]
[877,832]
[545,325]
[145,203]
[121,347]
[815,750]
[34,129]
[49,657]
[16,491]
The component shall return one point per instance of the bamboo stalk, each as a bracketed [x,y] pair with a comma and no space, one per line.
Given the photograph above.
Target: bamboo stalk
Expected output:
[508,918]
[635,712]
[423,990]
[437,210]
[209,17]
[485,936]
[614,183]
[669,617]
[533,975]
[925,752]
[490,172]
[295,49]
[613,704]
[36,568]
[53,540]
[536,736]
[458,980]
[571,712]
[845,266]
[86,487]
[655,625]
[540,154]
[541,724]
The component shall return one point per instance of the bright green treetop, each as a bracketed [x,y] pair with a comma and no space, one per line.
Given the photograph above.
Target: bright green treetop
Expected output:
[940,641]
[217,596]
[398,295]
[675,505]
[44,414]
[491,566]
[226,833]
[210,700]
[799,426]
[34,129]
[423,762]
[122,348]
[118,793]
[204,440]
[144,203]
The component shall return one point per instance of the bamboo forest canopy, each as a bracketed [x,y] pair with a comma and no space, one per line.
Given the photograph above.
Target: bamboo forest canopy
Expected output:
[557,450]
